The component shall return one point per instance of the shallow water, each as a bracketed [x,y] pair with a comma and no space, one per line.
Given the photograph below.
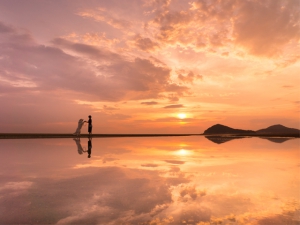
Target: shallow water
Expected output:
[153,180]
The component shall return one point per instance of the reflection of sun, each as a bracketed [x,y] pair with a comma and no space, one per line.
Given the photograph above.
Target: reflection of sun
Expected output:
[181,115]
[182,152]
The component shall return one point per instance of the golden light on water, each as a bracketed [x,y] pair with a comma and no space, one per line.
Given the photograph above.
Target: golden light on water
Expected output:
[186,178]
[183,152]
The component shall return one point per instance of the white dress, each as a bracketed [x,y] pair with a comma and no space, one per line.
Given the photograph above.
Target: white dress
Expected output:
[79,147]
[80,124]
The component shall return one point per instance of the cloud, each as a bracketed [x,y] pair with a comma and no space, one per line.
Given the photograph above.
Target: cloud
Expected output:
[188,77]
[263,28]
[149,165]
[105,107]
[5,28]
[145,44]
[85,49]
[95,73]
[174,106]
[16,186]
[149,103]
[278,219]
[119,195]
[140,75]
[107,17]
[109,159]
[92,38]
[260,28]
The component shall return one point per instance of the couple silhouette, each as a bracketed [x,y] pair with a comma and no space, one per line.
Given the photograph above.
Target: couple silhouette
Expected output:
[80,124]
[80,149]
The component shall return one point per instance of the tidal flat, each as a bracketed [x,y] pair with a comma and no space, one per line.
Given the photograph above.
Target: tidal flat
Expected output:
[150,180]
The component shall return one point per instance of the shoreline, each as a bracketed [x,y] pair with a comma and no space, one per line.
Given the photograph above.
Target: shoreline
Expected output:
[57,135]
[46,135]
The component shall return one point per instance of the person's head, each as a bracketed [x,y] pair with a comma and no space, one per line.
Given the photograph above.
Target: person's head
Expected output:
[90,116]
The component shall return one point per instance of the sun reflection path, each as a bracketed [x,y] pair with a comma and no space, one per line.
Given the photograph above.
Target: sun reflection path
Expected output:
[183,152]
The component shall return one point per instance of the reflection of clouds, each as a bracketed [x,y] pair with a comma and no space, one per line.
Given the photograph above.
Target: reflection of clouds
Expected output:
[15,186]
[190,192]
[106,195]
[175,161]
[152,191]
[109,159]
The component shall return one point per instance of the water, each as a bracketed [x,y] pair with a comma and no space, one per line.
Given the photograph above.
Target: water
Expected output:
[153,180]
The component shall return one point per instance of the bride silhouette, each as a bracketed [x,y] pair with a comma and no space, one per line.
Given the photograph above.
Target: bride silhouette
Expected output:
[80,124]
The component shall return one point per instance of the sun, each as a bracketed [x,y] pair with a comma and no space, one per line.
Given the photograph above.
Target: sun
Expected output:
[181,115]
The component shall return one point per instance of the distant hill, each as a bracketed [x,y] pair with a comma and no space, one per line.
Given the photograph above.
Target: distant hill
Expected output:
[221,129]
[275,130]
[278,129]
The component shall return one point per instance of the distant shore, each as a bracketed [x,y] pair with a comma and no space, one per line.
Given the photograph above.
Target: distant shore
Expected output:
[48,135]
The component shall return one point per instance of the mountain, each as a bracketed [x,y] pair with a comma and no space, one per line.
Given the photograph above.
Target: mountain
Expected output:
[221,129]
[278,129]
[275,130]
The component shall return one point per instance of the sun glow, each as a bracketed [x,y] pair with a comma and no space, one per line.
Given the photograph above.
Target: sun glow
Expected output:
[183,152]
[181,115]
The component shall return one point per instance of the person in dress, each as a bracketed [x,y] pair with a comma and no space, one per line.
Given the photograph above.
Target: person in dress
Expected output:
[80,124]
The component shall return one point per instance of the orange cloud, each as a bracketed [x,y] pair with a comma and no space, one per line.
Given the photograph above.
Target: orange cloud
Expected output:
[102,15]
[261,28]
[145,44]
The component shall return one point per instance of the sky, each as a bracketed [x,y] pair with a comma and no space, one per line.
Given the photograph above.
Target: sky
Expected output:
[148,66]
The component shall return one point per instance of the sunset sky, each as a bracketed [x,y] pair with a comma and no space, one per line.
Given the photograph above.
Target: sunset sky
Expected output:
[148,66]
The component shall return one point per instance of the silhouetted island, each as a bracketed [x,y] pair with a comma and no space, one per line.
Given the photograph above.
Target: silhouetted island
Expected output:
[274,130]
[221,129]
[278,129]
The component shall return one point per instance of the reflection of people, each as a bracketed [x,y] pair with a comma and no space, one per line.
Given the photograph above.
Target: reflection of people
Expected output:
[80,124]
[90,126]
[89,147]
[79,147]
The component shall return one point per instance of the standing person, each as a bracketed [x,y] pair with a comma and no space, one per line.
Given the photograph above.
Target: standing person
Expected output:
[90,126]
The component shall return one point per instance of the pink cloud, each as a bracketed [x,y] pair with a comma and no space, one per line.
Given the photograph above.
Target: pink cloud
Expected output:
[104,16]
[262,29]
[174,106]
[51,68]
[188,77]
[145,44]
[149,103]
